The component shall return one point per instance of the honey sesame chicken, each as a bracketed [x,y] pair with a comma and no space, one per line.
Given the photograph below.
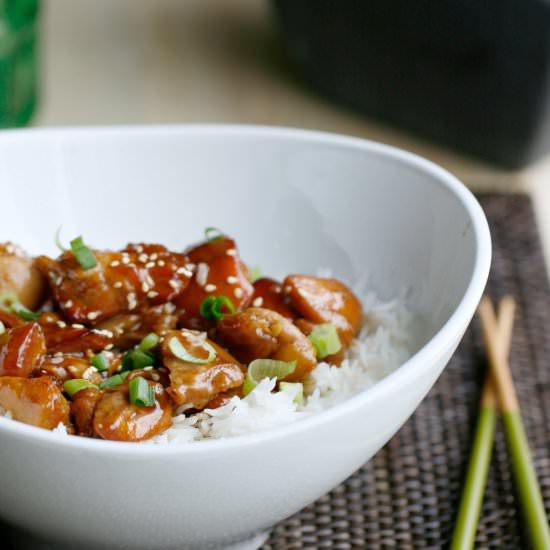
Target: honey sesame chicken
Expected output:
[113,344]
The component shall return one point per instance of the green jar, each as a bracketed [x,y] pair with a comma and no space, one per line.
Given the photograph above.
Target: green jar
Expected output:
[18,61]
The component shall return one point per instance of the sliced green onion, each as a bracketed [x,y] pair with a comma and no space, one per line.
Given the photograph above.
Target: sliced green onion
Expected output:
[325,340]
[113,381]
[77,384]
[136,359]
[142,394]
[266,368]
[223,302]
[254,273]
[211,307]
[149,342]
[2,328]
[179,351]
[84,256]
[213,234]
[100,362]
[206,307]
[10,302]
[294,389]
[58,242]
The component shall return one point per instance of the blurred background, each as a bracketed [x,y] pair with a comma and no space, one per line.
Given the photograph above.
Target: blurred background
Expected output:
[450,80]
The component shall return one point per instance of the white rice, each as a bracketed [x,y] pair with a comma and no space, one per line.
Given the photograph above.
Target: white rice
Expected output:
[380,347]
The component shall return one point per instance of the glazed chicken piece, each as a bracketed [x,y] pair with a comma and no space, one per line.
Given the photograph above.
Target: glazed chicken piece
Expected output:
[22,350]
[218,271]
[83,405]
[68,366]
[325,301]
[208,372]
[129,329]
[66,338]
[268,294]
[119,283]
[35,401]
[262,333]
[115,418]
[19,276]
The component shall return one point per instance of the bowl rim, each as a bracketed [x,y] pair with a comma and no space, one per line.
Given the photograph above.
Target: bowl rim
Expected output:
[421,361]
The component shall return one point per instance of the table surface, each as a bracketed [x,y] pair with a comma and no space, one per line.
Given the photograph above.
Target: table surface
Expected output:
[174,61]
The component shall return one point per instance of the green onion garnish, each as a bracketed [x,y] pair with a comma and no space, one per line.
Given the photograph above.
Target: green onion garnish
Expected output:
[142,394]
[136,359]
[266,368]
[179,351]
[113,381]
[213,234]
[77,384]
[149,342]
[100,362]
[10,302]
[84,256]
[325,340]
[58,242]
[254,273]
[211,307]
[2,328]
[294,389]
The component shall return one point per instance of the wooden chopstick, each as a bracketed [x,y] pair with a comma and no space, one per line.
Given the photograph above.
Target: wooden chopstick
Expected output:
[480,456]
[518,446]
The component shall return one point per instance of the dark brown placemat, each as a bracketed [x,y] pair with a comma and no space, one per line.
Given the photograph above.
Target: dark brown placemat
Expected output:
[406,496]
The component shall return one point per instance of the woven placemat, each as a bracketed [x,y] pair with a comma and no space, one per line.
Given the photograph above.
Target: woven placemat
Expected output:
[406,496]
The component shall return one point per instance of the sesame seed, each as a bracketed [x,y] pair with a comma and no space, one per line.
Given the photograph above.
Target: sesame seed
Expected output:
[109,346]
[118,284]
[231,252]
[155,376]
[88,372]
[238,292]
[210,287]
[103,332]
[115,263]
[77,325]
[154,256]
[169,307]
[190,266]
[202,274]
[183,271]
[68,303]
[93,315]
[56,360]
[150,367]
[139,249]
[143,258]
[125,260]
[232,280]
[258,302]
[152,294]
[161,263]
[149,265]
[145,287]
[149,280]
[58,354]
[174,284]
[61,324]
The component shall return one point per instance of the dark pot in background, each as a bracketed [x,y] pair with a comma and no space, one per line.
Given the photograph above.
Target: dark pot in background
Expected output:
[468,74]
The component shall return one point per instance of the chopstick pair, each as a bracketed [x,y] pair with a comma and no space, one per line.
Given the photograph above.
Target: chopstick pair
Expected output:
[497,335]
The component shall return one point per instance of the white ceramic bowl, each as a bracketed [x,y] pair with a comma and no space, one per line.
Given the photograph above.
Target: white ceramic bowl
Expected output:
[295,201]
